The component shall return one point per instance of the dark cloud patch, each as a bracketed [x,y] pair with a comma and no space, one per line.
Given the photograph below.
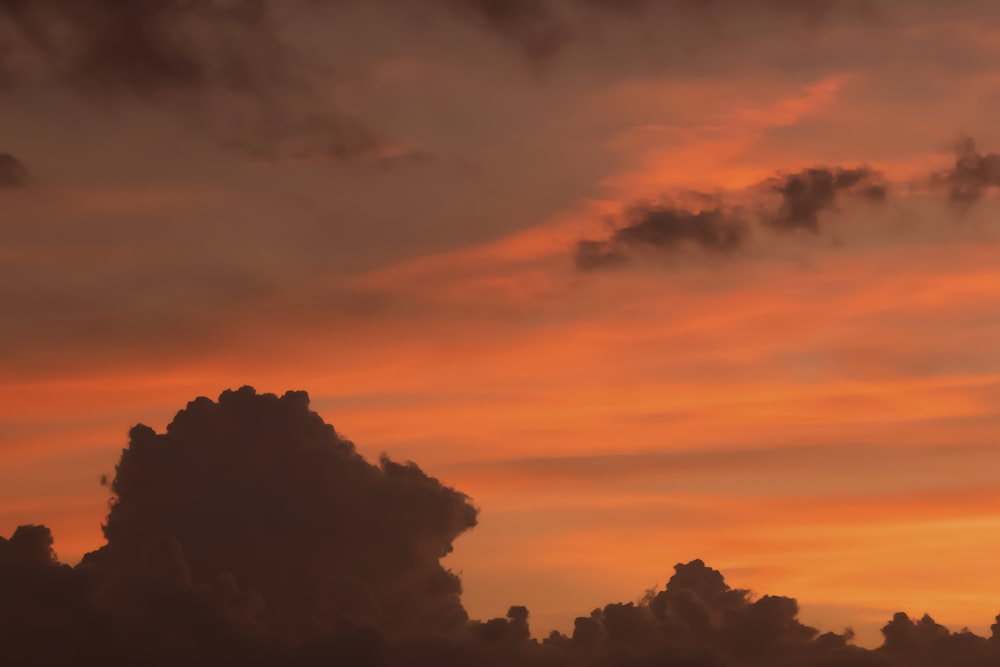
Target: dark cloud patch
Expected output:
[926,642]
[807,194]
[719,230]
[220,65]
[13,173]
[973,174]
[665,229]
[698,619]
[698,613]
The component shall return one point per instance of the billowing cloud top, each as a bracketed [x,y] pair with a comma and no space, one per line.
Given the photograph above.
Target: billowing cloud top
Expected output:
[258,489]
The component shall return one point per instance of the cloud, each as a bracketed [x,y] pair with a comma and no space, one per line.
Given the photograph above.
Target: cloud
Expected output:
[722,230]
[806,194]
[925,642]
[973,174]
[259,489]
[665,229]
[543,27]
[220,66]
[699,614]
[251,533]
[13,173]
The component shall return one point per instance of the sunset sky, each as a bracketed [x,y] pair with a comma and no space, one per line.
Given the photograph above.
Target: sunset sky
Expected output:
[649,281]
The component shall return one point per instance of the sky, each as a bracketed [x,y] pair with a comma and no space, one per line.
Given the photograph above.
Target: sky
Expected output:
[647,281]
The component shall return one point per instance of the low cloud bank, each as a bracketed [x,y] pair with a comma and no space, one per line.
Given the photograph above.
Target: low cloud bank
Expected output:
[251,533]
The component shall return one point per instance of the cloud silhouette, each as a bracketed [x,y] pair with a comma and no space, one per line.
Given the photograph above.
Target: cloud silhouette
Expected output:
[260,490]
[806,194]
[250,533]
[698,614]
[226,67]
[665,229]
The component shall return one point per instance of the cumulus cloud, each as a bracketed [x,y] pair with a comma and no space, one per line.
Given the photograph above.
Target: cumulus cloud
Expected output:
[261,490]
[698,614]
[807,194]
[699,619]
[250,533]
[665,229]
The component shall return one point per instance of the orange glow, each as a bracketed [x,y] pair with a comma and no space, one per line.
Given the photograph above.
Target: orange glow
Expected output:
[816,415]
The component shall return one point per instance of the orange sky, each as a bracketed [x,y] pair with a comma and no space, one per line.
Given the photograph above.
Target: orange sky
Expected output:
[817,417]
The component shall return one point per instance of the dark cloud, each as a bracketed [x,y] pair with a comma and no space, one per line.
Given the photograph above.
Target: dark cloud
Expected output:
[250,533]
[807,194]
[13,173]
[698,619]
[665,229]
[146,46]
[925,642]
[722,231]
[259,489]
[220,65]
[228,67]
[973,174]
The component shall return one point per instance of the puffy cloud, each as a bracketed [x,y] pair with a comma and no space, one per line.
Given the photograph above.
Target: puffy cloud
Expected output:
[250,533]
[925,642]
[259,490]
[722,230]
[145,46]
